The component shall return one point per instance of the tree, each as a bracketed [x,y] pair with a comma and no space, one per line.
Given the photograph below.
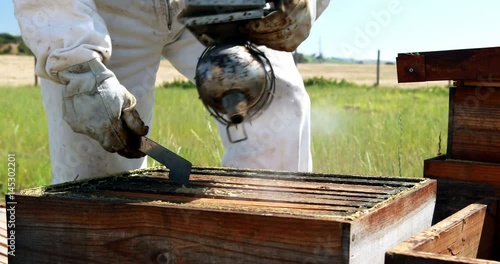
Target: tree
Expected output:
[8,39]
[23,49]
[300,58]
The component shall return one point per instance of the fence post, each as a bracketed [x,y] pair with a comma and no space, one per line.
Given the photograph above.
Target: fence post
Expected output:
[36,77]
[378,68]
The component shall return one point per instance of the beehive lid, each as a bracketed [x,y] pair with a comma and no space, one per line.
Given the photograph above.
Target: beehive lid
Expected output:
[253,191]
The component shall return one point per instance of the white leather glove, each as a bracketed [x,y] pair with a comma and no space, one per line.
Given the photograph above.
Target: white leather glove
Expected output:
[97,105]
[285,29]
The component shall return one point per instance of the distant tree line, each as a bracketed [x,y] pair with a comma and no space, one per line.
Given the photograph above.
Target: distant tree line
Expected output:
[10,44]
[303,58]
[15,45]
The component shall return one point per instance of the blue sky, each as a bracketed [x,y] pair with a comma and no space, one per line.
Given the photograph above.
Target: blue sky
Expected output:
[357,29]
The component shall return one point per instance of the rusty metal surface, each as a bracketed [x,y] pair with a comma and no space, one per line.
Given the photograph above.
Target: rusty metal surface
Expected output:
[223,18]
[205,12]
[192,3]
[215,22]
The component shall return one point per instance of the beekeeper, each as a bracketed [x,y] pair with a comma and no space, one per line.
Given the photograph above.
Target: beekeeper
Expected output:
[98,62]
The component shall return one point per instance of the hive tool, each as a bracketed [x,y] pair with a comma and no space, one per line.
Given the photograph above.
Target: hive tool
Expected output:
[179,168]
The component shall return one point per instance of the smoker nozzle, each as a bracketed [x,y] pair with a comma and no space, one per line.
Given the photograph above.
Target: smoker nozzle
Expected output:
[236,106]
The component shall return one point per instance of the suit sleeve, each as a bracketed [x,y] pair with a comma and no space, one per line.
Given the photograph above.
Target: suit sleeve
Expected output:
[62,33]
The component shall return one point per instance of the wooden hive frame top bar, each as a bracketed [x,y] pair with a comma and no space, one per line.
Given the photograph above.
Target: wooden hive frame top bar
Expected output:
[252,191]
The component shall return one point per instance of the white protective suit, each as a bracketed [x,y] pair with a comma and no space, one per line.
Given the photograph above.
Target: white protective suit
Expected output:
[130,36]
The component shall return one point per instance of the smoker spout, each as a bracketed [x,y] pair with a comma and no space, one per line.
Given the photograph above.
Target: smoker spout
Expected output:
[236,106]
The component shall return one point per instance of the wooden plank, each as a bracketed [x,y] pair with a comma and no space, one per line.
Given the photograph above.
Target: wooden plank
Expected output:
[467,64]
[395,257]
[410,67]
[225,216]
[462,170]
[457,235]
[477,84]
[297,186]
[134,233]
[275,207]
[475,124]
[280,186]
[391,223]
[456,239]
[461,183]
[301,178]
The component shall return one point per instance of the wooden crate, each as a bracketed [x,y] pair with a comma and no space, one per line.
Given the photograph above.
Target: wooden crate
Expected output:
[224,216]
[470,169]
[472,159]
[465,237]
[474,108]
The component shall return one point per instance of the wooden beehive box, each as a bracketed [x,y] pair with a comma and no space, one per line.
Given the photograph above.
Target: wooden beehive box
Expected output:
[464,237]
[470,169]
[224,216]
[474,108]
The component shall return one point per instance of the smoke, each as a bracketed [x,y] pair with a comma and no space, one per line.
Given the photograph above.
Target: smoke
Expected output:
[325,119]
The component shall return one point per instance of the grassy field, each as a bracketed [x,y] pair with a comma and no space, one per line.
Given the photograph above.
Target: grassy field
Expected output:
[356,129]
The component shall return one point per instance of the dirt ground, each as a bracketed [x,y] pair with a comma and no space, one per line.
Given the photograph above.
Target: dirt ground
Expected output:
[19,70]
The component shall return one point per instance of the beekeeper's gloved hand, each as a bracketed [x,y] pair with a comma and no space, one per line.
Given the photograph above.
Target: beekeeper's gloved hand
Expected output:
[97,105]
[285,29]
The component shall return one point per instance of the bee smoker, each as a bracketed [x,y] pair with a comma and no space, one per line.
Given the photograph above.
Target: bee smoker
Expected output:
[234,79]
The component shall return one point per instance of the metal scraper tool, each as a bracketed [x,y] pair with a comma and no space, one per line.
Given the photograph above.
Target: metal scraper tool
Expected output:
[179,168]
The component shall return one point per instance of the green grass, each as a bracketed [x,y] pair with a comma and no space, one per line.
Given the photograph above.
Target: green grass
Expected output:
[356,129]
[24,133]
[377,131]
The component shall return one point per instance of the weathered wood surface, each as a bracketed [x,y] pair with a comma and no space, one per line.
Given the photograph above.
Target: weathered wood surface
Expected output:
[453,195]
[477,84]
[462,170]
[461,183]
[464,237]
[400,218]
[457,235]
[225,216]
[3,235]
[474,124]
[432,258]
[481,65]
